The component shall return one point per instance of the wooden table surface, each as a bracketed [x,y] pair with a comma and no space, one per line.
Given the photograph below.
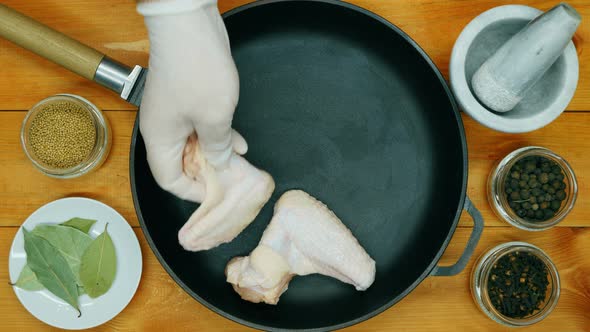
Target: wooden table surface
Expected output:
[438,304]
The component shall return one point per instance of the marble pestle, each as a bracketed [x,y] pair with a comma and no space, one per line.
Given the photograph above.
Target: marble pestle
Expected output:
[503,79]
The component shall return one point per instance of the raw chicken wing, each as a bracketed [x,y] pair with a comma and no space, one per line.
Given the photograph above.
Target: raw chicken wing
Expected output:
[303,237]
[232,199]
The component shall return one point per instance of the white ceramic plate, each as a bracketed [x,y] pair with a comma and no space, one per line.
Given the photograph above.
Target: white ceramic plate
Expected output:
[56,312]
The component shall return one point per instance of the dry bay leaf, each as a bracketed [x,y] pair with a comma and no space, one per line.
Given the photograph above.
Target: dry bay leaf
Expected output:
[99,265]
[69,241]
[51,268]
[80,224]
[27,280]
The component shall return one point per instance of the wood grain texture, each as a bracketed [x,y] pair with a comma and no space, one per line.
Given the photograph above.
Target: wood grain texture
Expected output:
[113,27]
[23,189]
[444,303]
[439,303]
[40,39]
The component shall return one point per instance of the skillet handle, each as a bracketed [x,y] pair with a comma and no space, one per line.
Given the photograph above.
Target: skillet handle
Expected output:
[67,52]
[447,271]
[48,43]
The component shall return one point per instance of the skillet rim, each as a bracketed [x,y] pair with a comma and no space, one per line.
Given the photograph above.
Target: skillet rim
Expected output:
[436,258]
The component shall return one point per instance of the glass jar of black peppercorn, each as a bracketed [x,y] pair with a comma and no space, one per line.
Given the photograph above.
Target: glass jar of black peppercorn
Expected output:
[515,284]
[532,188]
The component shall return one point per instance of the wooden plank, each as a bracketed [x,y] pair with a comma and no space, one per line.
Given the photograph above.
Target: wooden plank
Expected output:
[114,27]
[23,189]
[27,78]
[438,304]
[567,136]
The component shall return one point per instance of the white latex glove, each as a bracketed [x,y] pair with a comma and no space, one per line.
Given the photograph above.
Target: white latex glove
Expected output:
[192,85]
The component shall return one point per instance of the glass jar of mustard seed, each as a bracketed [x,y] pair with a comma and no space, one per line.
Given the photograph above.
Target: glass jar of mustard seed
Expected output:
[532,188]
[515,284]
[66,136]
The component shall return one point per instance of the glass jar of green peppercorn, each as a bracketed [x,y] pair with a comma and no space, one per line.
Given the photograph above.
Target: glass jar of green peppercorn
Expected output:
[515,284]
[66,136]
[532,188]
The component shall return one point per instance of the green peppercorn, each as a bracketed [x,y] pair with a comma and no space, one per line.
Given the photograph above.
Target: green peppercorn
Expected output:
[530,166]
[548,214]
[532,188]
[560,195]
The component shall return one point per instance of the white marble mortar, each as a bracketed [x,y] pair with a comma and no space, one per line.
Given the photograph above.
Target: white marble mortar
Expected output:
[543,103]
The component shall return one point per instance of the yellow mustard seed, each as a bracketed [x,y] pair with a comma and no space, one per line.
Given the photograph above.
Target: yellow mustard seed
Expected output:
[62,134]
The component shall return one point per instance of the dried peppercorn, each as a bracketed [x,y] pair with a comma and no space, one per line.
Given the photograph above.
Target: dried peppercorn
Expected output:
[517,284]
[535,188]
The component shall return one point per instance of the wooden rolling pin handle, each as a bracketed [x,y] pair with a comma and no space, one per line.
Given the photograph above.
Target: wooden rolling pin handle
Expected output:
[48,43]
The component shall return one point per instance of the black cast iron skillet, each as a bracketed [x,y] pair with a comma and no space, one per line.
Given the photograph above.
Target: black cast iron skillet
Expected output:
[338,102]
[335,101]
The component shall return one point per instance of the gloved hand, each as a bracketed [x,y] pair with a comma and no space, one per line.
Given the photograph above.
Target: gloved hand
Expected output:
[192,85]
